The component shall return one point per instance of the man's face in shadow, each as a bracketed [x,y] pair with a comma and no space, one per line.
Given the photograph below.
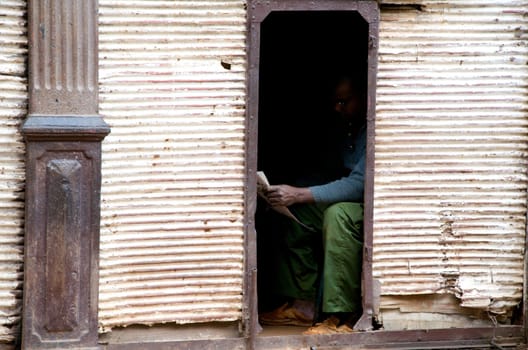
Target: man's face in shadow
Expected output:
[347,101]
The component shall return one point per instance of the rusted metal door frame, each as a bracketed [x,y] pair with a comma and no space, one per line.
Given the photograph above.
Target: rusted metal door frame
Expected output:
[257,12]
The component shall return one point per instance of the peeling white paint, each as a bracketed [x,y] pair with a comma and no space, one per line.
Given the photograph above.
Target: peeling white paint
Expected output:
[13,102]
[451,151]
[172,87]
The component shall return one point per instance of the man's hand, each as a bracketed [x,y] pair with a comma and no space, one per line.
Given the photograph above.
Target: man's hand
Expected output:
[285,195]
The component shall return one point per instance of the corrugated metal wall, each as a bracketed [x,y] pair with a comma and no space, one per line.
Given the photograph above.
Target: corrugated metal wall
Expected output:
[13,109]
[451,150]
[172,88]
[450,184]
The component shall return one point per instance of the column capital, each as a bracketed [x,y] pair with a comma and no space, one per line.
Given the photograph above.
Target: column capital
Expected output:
[64,128]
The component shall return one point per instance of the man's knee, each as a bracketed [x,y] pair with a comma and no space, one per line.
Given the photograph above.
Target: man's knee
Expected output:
[344,211]
[343,218]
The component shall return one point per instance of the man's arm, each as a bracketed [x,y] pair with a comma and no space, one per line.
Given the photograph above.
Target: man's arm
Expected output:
[346,189]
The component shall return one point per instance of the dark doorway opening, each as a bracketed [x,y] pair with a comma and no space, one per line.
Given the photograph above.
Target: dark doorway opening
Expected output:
[302,54]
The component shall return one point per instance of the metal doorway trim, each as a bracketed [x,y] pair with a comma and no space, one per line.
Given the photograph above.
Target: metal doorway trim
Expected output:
[257,12]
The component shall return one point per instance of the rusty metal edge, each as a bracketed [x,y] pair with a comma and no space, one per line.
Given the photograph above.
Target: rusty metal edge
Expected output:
[250,323]
[370,13]
[406,338]
[524,310]
[458,338]
[211,344]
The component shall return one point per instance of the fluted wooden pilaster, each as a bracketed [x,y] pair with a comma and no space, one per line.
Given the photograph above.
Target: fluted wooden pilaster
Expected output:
[63,57]
[63,134]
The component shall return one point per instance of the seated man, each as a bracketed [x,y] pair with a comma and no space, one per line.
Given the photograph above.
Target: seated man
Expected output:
[335,212]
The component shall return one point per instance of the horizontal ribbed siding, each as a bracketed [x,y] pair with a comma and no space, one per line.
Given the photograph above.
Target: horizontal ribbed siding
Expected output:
[172,88]
[13,101]
[451,151]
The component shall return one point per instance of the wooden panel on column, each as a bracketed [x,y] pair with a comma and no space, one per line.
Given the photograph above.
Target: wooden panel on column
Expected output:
[63,134]
[62,232]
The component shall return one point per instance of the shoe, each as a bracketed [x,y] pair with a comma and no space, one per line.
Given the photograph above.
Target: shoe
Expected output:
[285,315]
[329,326]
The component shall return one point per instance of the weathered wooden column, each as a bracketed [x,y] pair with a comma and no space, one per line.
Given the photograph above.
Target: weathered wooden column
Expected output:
[63,134]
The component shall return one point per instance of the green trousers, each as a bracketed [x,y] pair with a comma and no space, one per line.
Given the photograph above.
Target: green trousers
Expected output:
[329,257]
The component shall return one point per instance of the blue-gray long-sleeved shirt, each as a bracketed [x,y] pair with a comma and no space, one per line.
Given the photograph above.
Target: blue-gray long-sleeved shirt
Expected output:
[349,188]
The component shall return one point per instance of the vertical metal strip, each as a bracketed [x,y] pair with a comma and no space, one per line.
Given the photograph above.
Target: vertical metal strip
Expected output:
[251,300]
[370,12]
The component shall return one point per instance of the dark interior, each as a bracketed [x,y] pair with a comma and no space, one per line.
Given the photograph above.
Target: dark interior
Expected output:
[302,54]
